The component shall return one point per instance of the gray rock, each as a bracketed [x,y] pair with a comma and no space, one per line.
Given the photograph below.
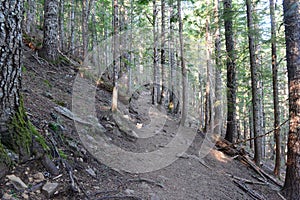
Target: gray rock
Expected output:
[48,95]
[49,165]
[129,191]
[49,189]
[7,196]
[154,196]
[17,182]
[38,177]
[91,172]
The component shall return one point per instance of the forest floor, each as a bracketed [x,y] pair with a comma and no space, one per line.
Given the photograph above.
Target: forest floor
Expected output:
[81,176]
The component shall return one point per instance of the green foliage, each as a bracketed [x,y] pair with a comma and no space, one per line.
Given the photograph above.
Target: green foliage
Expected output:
[24,70]
[47,83]
[60,103]
[53,126]
[4,157]
[62,154]
[39,138]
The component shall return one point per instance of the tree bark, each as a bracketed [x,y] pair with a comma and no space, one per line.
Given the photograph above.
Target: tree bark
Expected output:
[218,117]
[209,74]
[275,90]
[183,69]
[12,115]
[86,6]
[72,28]
[155,57]
[256,103]
[114,102]
[171,59]
[291,8]
[61,25]
[31,16]
[49,50]
[231,72]
[162,54]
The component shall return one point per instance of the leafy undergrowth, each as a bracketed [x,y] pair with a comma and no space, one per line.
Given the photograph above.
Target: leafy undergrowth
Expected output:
[81,176]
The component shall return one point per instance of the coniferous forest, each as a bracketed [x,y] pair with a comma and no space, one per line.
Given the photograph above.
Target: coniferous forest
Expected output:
[140,99]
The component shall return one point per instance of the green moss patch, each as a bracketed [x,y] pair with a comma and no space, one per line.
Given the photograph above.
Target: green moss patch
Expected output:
[4,157]
[22,131]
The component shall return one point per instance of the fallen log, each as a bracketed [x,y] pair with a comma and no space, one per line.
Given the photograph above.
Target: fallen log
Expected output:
[249,191]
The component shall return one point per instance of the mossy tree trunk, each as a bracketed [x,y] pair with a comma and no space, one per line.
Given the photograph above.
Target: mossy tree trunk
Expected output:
[12,114]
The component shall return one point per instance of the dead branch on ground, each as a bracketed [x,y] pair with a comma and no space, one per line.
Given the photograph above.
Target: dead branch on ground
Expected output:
[145,180]
[249,191]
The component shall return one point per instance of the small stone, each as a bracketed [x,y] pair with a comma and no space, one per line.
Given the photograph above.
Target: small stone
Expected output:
[83,151]
[154,197]
[25,196]
[30,179]
[129,191]
[6,196]
[48,95]
[50,188]
[91,172]
[38,177]
[80,159]
[109,126]
[37,187]
[38,191]
[17,182]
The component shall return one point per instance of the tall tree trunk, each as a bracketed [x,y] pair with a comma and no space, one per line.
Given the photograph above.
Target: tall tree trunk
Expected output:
[94,29]
[171,59]
[49,50]
[231,72]
[209,74]
[155,57]
[72,27]
[291,8]
[275,90]
[251,127]
[218,117]
[31,17]
[11,108]
[61,25]
[256,103]
[183,69]
[114,102]
[84,26]
[162,54]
